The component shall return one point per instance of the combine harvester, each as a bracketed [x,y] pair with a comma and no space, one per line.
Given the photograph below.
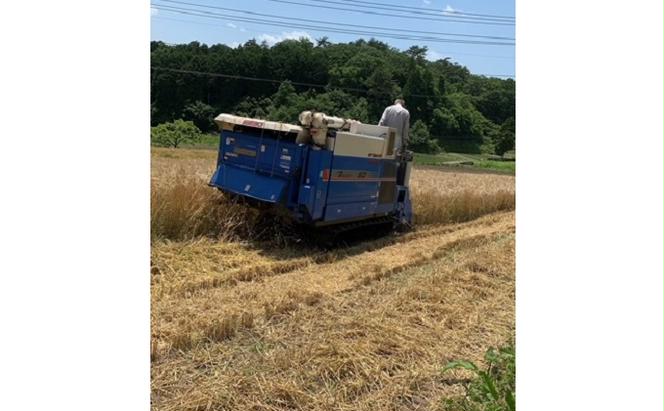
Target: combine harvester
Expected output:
[330,174]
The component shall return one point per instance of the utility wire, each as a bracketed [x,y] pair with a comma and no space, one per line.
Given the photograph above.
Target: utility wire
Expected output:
[202,13]
[296,83]
[337,23]
[207,14]
[449,55]
[510,76]
[217,25]
[437,13]
[454,12]
[376,13]
[266,80]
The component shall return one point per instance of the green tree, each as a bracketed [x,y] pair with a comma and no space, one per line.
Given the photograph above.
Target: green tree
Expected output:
[286,104]
[505,138]
[444,123]
[382,90]
[420,140]
[175,133]
[417,53]
[495,98]
[323,42]
[451,76]
[459,126]
[420,92]
[462,111]
[200,114]
[253,107]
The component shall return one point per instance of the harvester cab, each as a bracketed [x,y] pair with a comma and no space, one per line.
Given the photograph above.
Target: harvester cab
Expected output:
[326,172]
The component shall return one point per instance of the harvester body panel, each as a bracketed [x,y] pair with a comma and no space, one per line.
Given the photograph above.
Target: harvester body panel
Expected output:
[352,178]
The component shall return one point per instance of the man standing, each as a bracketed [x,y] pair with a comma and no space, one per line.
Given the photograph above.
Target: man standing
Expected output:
[398,117]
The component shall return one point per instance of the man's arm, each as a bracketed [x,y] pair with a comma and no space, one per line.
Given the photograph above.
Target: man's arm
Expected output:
[382,118]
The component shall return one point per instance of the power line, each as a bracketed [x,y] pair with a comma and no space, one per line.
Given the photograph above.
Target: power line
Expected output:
[337,23]
[207,14]
[267,80]
[214,24]
[511,76]
[454,53]
[217,25]
[438,13]
[443,54]
[455,12]
[376,13]
[319,28]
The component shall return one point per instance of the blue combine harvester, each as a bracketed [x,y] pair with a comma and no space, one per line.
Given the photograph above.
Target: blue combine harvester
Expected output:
[327,172]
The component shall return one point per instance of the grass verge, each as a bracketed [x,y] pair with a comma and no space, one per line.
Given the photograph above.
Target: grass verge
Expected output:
[492,388]
[458,160]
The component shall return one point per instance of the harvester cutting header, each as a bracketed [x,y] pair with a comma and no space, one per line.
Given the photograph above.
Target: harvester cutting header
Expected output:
[325,172]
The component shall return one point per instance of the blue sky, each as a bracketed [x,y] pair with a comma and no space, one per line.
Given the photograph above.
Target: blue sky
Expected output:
[172,27]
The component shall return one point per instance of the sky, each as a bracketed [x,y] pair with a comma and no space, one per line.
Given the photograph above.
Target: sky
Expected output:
[174,27]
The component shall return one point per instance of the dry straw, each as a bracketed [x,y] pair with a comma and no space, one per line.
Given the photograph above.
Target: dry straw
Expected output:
[184,207]
[246,325]
[369,331]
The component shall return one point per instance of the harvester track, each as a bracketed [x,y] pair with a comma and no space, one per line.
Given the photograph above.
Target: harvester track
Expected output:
[353,232]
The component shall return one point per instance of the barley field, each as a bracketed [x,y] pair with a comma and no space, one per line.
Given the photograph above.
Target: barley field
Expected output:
[241,321]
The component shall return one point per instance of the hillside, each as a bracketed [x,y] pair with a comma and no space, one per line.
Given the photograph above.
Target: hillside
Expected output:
[450,107]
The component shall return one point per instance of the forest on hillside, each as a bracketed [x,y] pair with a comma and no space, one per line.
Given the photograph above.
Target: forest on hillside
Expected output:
[451,109]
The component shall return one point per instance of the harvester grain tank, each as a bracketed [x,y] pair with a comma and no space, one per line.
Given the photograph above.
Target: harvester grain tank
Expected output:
[326,172]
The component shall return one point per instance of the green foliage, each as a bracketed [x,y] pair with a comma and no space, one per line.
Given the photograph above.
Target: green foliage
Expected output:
[492,389]
[451,159]
[459,120]
[253,107]
[435,159]
[420,90]
[286,104]
[452,76]
[417,53]
[420,140]
[206,142]
[505,138]
[507,166]
[445,123]
[461,111]
[201,114]
[174,134]
[470,121]
[381,90]
[494,98]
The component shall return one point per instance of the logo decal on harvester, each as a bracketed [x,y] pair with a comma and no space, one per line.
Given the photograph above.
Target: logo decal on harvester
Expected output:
[363,176]
[253,123]
[244,151]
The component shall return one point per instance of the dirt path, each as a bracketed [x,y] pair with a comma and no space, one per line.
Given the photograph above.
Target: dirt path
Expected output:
[235,326]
